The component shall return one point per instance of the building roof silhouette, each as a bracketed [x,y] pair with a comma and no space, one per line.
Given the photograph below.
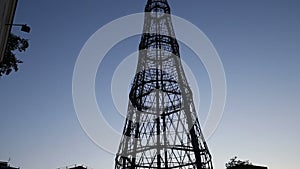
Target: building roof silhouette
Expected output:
[247,167]
[79,167]
[5,165]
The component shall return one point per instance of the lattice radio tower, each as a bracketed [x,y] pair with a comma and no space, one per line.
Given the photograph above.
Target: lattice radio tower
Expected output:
[161,129]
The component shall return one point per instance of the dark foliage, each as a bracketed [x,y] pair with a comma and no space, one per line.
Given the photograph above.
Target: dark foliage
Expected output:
[235,162]
[10,62]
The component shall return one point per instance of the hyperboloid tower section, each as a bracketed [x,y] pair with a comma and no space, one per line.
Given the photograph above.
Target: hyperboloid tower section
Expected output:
[161,129]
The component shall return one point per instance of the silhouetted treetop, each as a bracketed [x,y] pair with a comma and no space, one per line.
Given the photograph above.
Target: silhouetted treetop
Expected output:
[235,162]
[10,62]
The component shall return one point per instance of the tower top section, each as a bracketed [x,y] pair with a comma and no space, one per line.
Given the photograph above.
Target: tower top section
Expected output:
[161,6]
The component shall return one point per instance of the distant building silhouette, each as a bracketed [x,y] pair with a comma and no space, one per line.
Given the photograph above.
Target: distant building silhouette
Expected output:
[78,167]
[75,166]
[235,163]
[247,167]
[5,165]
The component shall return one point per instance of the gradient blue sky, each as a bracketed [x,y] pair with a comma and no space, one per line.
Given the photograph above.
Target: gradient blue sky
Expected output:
[258,42]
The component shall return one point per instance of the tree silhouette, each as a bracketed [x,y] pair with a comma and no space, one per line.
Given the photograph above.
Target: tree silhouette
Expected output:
[10,62]
[235,162]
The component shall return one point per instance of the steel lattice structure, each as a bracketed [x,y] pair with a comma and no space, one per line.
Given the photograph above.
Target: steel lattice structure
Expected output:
[161,129]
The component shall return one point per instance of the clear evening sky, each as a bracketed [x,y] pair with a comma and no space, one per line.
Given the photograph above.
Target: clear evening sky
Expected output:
[258,43]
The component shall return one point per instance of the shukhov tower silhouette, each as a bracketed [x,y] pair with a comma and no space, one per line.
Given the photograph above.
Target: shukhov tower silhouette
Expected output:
[161,129]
